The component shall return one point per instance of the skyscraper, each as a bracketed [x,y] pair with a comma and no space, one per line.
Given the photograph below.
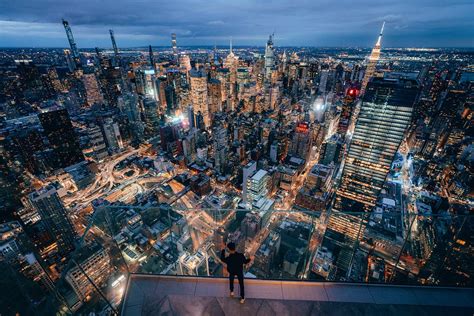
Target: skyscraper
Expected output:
[174,46]
[199,95]
[302,139]
[111,133]
[152,59]
[385,114]
[93,264]
[269,58]
[72,43]
[247,171]
[152,120]
[373,59]
[147,84]
[220,147]
[331,150]
[61,136]
[215,96]
[257,186]
[114,45]
[231,62]
[53,214]
[347,110]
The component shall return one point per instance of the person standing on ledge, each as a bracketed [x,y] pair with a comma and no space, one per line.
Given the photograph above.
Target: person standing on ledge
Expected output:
[235,262]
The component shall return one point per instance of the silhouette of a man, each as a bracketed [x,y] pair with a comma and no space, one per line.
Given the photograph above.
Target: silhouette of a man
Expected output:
[235,265]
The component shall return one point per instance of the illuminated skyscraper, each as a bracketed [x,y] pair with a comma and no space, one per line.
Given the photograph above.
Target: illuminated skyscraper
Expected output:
[146,83]
[174,45]
[385,114]
[54,216]
[72,43]
[215,97]
[199,95]
[347,110]
[373,59]
[231,62]
[152,120]
[269,58]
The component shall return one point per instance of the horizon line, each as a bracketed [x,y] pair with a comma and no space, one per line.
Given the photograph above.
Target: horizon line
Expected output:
[246,46]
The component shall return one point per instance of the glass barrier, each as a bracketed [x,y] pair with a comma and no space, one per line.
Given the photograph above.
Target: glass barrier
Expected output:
[386,247]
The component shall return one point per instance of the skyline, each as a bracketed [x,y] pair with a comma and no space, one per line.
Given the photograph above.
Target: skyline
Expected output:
[324,165]
[198,23]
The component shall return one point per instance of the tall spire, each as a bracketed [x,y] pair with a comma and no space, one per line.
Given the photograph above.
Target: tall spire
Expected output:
[230,49]
[379,40]
[373,59]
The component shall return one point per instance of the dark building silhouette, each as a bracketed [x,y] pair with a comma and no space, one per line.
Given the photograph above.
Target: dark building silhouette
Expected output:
[53,215]
[61,136]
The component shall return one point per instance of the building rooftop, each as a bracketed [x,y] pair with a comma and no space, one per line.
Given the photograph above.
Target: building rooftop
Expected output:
[259,175]
[178,295]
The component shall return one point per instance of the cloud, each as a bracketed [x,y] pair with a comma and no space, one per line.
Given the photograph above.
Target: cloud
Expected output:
[216,22]
[196,22]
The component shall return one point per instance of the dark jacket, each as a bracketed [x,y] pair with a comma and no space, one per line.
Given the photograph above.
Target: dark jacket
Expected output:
[235,262]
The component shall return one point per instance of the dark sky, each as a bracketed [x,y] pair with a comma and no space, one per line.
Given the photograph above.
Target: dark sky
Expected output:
[420,23]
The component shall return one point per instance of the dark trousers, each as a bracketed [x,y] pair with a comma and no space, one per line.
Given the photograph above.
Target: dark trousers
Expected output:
[240,277]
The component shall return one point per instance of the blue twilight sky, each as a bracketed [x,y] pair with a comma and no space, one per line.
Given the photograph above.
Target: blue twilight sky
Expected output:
[420,23]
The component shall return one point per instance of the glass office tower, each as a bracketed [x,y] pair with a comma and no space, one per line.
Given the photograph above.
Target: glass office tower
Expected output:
[384,116]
